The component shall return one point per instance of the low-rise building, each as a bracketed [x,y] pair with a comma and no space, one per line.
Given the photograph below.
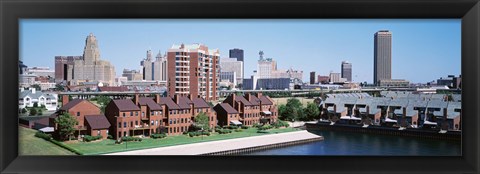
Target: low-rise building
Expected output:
[252,109]
[28,98]
[89,117]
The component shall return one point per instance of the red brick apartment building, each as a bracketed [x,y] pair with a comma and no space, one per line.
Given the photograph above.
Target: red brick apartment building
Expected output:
[148,115]
[193,70]
[252,108]
[89,117]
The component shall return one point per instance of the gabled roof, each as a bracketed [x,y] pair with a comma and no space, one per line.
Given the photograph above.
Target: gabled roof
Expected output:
[72,104]
[168,102]
[265,100]
[226,107]
[97,121]
[126,105]
[147,101]
[200,103]
[184,102]
[243,100]
[254,100]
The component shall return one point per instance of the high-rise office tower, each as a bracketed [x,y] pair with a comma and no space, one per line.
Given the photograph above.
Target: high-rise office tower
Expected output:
[347,70]
[154,69]
[193,70]
[382,56]
[312,77]
[238,53]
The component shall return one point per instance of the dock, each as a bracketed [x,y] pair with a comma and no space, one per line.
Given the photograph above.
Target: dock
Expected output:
[231,146]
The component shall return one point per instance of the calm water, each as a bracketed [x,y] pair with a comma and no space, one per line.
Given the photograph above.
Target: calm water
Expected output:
[347,143]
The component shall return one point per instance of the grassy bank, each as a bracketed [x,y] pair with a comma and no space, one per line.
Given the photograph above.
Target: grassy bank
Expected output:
[283,100]
[30,145]
[109,146]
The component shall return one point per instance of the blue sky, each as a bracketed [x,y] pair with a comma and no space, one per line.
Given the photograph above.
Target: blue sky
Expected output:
[423,49]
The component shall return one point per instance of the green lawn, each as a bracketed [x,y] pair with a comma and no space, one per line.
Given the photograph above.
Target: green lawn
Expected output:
[30,145]
[109,146]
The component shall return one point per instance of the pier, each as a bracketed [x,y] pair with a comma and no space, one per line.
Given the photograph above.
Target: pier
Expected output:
[231,146]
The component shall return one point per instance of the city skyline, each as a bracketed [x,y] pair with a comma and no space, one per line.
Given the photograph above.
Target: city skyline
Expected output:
[290,42]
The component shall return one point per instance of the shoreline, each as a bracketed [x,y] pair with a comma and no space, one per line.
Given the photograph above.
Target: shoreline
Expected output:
[236,145]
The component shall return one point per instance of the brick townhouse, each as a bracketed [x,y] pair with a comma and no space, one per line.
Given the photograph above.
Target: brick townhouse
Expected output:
[253,108]
[90,119]
[148,115]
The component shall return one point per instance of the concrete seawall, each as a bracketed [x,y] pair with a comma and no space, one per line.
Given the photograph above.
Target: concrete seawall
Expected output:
[231,146]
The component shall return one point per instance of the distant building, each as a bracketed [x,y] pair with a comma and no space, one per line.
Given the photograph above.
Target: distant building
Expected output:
[336,78]
[274,83]
[154,69]
[193,70]
[382,56]
[21,67]
[312,77]
[232,65]
[89,67]
[347,70]
[27,98]
[393,83]
[238,53]
[229,76]
[64,67]
[323,79]
[41,72]
[451,81]
[120,80]
[132,75]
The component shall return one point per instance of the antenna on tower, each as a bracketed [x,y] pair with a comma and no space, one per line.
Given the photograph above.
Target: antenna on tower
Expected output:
[261,54]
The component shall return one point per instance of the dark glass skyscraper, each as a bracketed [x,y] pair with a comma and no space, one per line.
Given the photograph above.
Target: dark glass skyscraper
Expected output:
[382,56]
[236,53]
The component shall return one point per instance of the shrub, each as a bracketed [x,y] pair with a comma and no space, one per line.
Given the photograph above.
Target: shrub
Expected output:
[130,138]
[33,111]
[217,127]
[65,147]
[155,136]
[24,110]
[43,135]
[89,138]
[265,127]
[244,127]
[238,130]
[262,131]
[232,127]
[40,112]
[35,105]
[256,125]
[110,137]
[224,131]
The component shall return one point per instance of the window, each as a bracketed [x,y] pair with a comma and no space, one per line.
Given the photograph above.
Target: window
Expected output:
[131,113]
[136,113]
[98,132]
[119,125]
[78,113]
[143,114]
[136,122]
[124,134]
[131,124]
[151,123]
[124,114]
[156,122]
[124,124]
[170,121]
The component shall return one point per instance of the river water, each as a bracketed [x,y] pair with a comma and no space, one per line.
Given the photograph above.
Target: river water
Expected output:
[350,143]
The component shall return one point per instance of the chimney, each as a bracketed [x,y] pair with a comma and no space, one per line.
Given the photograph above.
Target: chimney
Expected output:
[22,89]
[175,98]
[136,99]
[157,98]
[233,100]
[190,97]
[248,96]
[65,99]
[445,124]
[259,94]
[404,117]
[33,90]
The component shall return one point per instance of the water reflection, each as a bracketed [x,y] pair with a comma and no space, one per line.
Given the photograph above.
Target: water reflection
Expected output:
[348,143]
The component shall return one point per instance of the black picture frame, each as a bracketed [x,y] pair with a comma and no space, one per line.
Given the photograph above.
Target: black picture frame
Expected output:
[11,11]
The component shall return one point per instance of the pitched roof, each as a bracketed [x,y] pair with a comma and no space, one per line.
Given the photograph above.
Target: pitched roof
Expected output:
[97,121]
[184,102]
[227,108]
[200,103]
[71,104]
[243,100]
[169,102]
[148,101]
[265,100]
[254,100]
[126,105]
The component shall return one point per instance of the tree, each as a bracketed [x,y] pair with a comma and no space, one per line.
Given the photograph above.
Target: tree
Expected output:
[311,111]
[210,103]
[66,123]
[35,105]
[36,86]
[293,102]
[201,121]
[59,87]
[40,112]
[290,113]
[293,110]
[33,111]
[281,111]
[24,110]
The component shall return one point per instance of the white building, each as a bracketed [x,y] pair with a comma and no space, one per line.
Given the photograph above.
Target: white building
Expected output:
[27,98]
[40,71]
[336,78]
[120,80]
[154,69]
[232,65]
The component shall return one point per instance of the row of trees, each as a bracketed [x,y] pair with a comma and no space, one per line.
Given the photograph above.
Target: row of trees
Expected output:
[294,110]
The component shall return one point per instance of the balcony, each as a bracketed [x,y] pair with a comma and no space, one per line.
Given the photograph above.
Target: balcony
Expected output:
[141,127]
[145,118]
